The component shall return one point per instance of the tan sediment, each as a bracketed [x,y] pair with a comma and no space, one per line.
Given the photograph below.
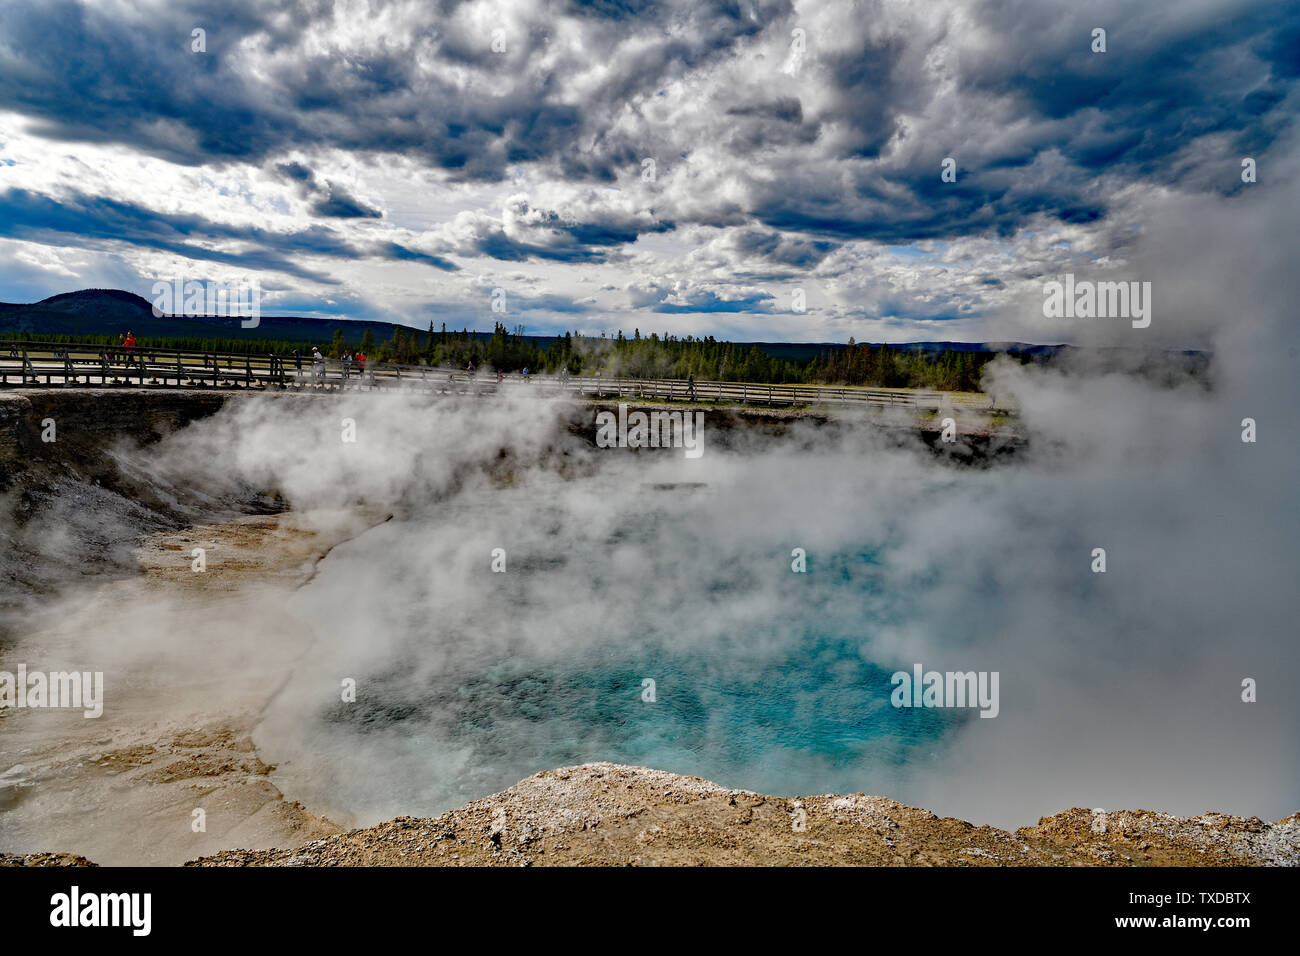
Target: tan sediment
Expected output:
[605,814]
[190,660]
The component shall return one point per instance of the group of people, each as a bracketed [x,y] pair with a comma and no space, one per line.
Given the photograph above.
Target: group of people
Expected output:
[352,363]
[355,361]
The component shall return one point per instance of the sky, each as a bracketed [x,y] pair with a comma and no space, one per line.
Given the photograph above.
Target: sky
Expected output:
[761,170]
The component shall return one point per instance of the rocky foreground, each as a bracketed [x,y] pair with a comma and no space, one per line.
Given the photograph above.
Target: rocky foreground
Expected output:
[604,814]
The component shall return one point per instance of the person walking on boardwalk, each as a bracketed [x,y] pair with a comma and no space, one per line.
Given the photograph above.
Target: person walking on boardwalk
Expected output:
[317,364]
[690,385]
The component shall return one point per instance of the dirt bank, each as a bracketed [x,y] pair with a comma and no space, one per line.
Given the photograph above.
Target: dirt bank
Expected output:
[604,814]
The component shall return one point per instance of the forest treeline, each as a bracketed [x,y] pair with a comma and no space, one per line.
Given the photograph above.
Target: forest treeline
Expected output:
[637,356]
[706,358]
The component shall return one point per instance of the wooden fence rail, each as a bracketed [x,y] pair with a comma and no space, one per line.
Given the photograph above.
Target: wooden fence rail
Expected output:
[46,364]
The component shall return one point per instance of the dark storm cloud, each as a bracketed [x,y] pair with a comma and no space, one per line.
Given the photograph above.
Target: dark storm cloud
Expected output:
[849,149]
[339,205]
[497,245]
[327,199]
[759,126]
[91,76]
[774,247]
[1163,82]
[1132,114]
[297,172]
[615,9]
[393,250]
[787,109]
[527,232]
[79,218]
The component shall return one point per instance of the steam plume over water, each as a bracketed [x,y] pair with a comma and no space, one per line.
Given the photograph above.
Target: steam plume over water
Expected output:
[1117,689]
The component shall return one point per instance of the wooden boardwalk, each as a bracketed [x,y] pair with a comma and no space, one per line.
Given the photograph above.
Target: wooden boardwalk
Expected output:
[27,364]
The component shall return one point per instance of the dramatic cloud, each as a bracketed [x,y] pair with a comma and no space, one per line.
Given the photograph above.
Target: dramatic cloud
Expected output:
[602,143]
[327,199]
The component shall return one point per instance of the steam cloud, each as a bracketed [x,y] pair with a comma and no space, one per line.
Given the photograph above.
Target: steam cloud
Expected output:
[1117,690]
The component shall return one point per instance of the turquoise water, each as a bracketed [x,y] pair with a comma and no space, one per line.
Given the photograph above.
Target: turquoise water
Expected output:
[816,719]
[764,679]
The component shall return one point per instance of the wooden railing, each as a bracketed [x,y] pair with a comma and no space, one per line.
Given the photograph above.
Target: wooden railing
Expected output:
[46,364]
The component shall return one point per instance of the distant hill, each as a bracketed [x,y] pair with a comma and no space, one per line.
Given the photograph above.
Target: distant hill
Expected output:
[113,312]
